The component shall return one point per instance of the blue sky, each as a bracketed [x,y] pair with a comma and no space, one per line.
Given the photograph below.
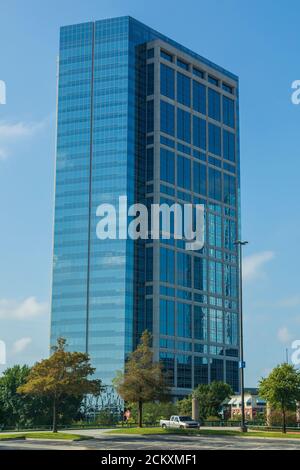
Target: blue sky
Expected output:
[257,40]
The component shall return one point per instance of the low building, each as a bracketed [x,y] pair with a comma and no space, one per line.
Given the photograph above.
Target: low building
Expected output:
[254,405]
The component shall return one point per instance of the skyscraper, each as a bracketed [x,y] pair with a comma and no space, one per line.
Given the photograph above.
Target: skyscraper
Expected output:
[142,116]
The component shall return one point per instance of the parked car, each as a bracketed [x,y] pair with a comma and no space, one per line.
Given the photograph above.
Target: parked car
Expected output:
[179,422]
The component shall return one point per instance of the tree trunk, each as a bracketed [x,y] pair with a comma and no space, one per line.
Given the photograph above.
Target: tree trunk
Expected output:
[140,414]
[54,426]
[283,420]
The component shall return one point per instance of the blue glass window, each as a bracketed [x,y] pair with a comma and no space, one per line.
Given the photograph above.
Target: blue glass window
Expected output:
[199,97]
[165,141]
[167,166]
[230,280]
[183,172]
[216,326]
[184,371]
[181,63]
[230,235]
[150,116]
[232,375]
[167,81]
[167,265]
[149,264]
[167,317]
[200,322]
[198,72]
[200,273]
[166,56]
[229,190]
[214,104]
[214,139]
[183,89]
[184,269]
[168,362]
[183,125]
[229,145]
[150,53]
[150,79]
[149,315]
[215,184]
[215,161]
[228,111]
[215,277]
[200,370]
[184,320]
[167,122]
[199,178]
[213,80]
[217,370]
[227,88]
[199,132]
[215,230]
[150,161]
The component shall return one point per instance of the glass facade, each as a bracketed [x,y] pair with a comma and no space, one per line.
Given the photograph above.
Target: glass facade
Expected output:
[139,115]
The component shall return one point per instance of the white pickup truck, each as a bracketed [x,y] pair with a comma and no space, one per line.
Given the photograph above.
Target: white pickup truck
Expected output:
[180,422]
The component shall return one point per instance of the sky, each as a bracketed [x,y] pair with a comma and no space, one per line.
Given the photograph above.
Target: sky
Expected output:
[257,40]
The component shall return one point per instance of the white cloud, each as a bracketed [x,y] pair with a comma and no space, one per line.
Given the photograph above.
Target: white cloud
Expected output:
[19,129]
[284,335]
[12,132]
[21,344]
[28,308]
[253,265]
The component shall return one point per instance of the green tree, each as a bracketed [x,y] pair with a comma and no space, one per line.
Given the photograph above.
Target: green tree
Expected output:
[63,374]
[153,412]
[16,410]
[30,410]
[211,396]
[143,379]
[281,389]
[184,406]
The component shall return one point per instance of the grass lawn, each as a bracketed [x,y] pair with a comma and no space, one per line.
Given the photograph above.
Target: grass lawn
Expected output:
[205,432]
[44,435]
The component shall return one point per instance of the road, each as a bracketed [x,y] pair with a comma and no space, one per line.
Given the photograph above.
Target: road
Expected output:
[104,441]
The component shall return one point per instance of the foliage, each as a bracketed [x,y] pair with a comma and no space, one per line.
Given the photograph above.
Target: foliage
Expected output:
[281,389]
[63,374]
[275,418]
[143,380]
[212,419]
[211,397]
[17,411]
[107,417]
[153,412]
[29,410]
[184,406]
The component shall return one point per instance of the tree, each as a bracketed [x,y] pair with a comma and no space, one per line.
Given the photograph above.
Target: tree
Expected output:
[281,389]
[184,406]
[211,396]
[64,374]
[17,410]
[143,379]
[30,410]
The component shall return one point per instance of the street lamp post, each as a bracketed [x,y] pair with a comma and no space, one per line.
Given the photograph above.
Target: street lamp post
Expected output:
[240,245]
